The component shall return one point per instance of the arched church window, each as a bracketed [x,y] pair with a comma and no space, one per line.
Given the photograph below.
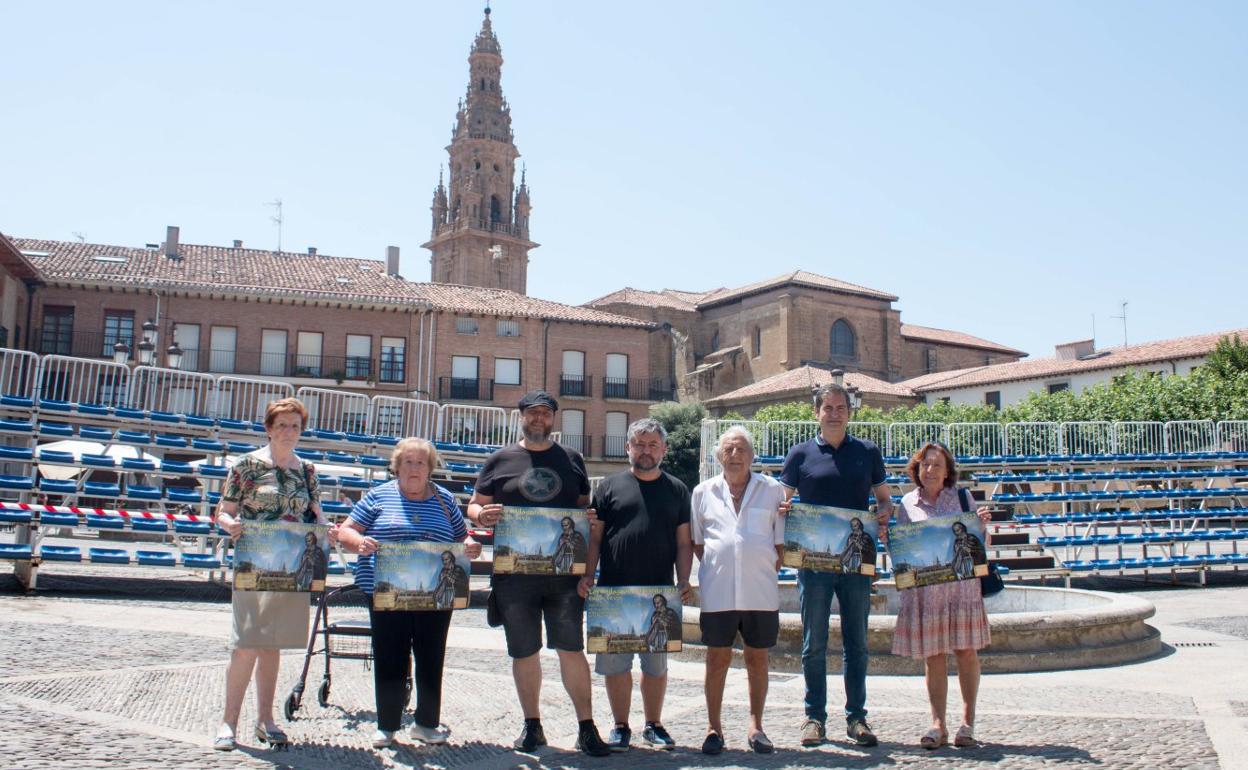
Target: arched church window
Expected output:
[496,209]
[844,344]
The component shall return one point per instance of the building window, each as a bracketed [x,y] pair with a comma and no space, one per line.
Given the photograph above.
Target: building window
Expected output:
[57,335]
[359,357]
[715,339]
[466,326]
[756,342]
[506,371]
[993,399]
[573,434]
[118,327]
[273,352]
[929,360]
[222,341]
[616,437]
[308,354]
[464,382]
[187,338]
[393,359]
[572,379]
[507,328]
[987,359]
[1056,387]
[615,385]
[843,343]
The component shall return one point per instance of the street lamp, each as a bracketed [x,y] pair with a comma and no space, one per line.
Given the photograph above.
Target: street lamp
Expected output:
[121,352]
[173,356]
[147,349]
[853,393]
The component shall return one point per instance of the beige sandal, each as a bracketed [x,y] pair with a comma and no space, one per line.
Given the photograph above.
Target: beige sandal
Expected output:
[964,737]
[934,739]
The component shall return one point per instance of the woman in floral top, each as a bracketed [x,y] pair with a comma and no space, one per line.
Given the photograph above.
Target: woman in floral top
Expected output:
[269,484]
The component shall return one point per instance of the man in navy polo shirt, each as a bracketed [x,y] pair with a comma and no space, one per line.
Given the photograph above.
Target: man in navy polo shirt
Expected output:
[835,468]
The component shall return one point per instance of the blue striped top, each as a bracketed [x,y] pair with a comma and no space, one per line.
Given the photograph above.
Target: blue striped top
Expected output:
[387,516]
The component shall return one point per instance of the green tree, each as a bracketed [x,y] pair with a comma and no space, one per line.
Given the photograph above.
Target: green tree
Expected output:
[1229,359]
[683,423]
[792,411]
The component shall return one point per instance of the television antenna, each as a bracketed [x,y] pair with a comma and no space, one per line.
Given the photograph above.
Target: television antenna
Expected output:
[277,219]
[1123,318]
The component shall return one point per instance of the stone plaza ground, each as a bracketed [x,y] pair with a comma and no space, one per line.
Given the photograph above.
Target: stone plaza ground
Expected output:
[104,668]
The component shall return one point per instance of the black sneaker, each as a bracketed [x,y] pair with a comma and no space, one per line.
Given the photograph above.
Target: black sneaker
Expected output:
[656,735]
[861,733]
[619,738]
[530,738]
[588,741]
[714,744]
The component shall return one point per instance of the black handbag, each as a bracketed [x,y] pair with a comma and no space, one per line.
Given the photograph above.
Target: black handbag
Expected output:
[990,584]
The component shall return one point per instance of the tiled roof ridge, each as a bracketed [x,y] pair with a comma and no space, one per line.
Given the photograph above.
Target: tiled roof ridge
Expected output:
[954,337]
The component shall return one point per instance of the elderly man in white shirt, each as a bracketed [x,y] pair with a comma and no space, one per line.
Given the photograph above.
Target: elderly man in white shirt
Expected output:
[738,537]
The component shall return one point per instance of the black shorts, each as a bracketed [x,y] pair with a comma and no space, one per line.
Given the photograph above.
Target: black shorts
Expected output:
[526,600]
[759,628]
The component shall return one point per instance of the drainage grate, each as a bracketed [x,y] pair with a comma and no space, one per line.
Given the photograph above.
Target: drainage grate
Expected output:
[1195,644]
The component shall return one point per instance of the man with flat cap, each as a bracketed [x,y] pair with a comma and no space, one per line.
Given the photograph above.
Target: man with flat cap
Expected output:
[540,472]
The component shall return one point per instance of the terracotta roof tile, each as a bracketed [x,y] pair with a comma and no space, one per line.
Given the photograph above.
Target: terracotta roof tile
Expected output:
[1039,368]
[799,277]
[668,298]
[314,276]
[948,337]
[798,382]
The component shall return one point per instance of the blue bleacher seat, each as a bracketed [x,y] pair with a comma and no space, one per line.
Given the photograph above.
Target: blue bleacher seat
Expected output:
[108,556]
[213,498]
[164,439]
[330,435]
[14,516]
[130,414]
[311,455]
[18,453]
[145,524]
[241,425]
[100,489]
[183,527]
[133,437]
[335,567]
[384,440]
[173,466]
[361,438]
[1237,558]
[57,519]
[55,405]
[53,456]
[258,427]
[17,482]
[326,480]
[58,429]
[60,553]
[95,410]
[97,521]
[213,471]
[92,433]
[142,492]
[374,461]
[197,421]
[200,560]
[333,506]
[239,447]
[17,402]
[16,426]
[342,458]
[15,551]
[1080,566]
[168,417]
[183,495]
[137,464]
[155,558]
[207,445]
[98,461]
[353,482]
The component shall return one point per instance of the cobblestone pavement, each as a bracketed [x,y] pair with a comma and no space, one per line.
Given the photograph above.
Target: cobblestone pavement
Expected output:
[96,674]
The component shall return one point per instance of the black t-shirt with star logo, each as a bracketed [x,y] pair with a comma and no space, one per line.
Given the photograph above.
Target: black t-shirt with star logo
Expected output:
[552,478]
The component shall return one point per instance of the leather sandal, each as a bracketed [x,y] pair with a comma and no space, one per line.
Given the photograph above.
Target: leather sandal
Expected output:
[964,737]
[934,739]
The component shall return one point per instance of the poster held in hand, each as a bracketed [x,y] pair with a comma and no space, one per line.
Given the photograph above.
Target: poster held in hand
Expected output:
[633,619]
[541,541]
[938,550]
[824,538]
[281,556]
[421,576]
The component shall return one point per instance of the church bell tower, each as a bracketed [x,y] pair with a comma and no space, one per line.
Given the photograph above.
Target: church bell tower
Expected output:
[480,234]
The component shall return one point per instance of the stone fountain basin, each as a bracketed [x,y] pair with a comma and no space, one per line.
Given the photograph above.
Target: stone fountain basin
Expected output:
[1033,629]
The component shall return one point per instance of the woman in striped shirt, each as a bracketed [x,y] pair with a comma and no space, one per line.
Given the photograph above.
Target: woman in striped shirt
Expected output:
[410,507]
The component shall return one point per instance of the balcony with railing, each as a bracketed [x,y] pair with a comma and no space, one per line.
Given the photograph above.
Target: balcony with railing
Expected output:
[637,389]
[576,385]
[465,389]
[614,446]
[388,367]
[582,444]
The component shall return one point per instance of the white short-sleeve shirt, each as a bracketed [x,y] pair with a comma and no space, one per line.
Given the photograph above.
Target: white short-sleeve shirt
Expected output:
[738,565]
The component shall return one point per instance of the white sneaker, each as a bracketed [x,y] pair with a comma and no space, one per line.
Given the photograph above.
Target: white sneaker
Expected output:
[434,735]
[383,739]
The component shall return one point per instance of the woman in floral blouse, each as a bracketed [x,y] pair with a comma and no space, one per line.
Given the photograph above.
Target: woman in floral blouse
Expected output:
[269,484]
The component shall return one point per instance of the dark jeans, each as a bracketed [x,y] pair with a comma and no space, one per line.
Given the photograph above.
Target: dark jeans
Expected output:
[853,592]
[397,638]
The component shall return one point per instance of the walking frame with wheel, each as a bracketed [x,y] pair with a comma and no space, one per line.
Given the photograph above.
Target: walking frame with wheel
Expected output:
[344,639]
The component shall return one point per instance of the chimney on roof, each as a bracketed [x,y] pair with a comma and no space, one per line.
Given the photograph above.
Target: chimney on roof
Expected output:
[238,244]
[392,261]
[312,251]
[171,242]
[1073,351]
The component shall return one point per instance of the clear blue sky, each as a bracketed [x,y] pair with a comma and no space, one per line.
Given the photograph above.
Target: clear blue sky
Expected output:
[1007,169]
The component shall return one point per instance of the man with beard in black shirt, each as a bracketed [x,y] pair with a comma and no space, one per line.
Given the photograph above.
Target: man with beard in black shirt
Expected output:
[537,471]
[642,532]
